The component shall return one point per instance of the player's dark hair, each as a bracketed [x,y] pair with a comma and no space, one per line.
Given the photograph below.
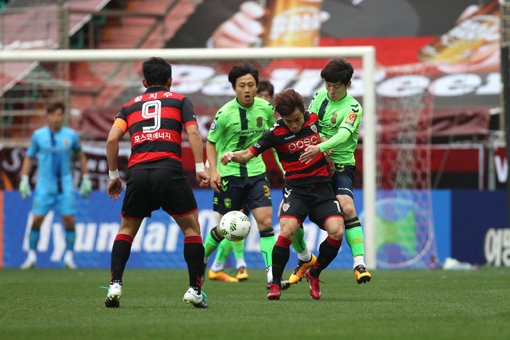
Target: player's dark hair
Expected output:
[286,102]
[337,70]
[55,106]
[156,71]
[265,85]
[240,70]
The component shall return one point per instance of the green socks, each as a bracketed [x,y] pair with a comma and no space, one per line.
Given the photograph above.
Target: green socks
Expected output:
[354,236]
[267,241]
[224,250]
[238,249]
[212,240]
[298,242]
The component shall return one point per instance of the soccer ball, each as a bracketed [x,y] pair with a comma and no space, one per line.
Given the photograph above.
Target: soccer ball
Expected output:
[235,226]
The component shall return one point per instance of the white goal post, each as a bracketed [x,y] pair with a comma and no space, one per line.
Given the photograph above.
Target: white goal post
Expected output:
[366,53]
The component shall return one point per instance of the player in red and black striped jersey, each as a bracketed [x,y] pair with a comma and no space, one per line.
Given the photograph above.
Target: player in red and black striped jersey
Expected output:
[307,190]
[155,177]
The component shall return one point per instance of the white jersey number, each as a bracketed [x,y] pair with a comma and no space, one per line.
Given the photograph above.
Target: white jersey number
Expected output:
[150,110]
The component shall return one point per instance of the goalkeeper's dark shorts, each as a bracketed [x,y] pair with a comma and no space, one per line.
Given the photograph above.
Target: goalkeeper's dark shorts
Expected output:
[343,179]
[317,201]
[150,189]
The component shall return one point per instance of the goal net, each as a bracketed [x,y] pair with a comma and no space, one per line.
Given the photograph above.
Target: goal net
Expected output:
[404,214]
[397,218]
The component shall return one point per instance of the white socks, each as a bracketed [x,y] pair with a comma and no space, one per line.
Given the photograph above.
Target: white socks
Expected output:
[217,266]
[241,263]
[357,261]
[305,255]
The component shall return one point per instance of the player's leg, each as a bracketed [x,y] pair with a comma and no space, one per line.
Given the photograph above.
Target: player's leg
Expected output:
[122,246]
[354,238]
[228,199]
[224,250]
[177,199]
[212,241]
[68,221]
[120,254]
[299,245]
[193,255]
[342,183]
[135,207]
[305,258]
[66,206]
[258,199]
[328,216]
[328,250]
[41,205]
[241,267]
[238,248]
[263,216]
[217,268]
[223,201]
[280,254]
[33,239]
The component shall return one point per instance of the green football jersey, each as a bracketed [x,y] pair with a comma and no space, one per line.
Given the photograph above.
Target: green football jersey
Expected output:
[333,118]
[237,128]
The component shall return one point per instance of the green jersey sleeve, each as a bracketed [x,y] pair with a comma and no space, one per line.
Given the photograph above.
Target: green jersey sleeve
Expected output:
[217,128]
[351,123]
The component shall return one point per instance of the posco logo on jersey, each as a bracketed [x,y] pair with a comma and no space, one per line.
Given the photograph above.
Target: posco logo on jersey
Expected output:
[303,143]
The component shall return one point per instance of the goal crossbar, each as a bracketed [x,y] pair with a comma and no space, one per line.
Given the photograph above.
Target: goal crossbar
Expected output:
[366,53]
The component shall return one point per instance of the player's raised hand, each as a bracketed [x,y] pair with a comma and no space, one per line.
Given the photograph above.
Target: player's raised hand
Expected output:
[242,29]
[24,187]
[86,186]
[309,154]
[115,188]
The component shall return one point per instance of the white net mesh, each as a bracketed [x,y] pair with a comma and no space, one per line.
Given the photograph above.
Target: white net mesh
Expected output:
[404,215]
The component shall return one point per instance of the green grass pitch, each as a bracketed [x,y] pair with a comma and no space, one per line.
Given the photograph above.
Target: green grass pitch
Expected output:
[396,304]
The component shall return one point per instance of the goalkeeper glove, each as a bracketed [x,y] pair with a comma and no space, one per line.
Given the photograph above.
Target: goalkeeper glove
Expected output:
[86,186]
[24,187]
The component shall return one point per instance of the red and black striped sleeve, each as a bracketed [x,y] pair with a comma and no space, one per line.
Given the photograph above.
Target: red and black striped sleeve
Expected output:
[266,141]
[188,114]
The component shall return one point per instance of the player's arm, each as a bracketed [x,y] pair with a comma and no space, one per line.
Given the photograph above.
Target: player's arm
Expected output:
[275,154]
[212,156]
[86,184]
[26,166]
[112,154]
[277,160]
[350,124]
[216,135]
[312,150]
[195,142]
[339,138]
[83,163]
[24,185]
[241,156]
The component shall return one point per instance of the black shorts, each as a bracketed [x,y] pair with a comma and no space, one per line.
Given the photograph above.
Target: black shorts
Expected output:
[238,192]
[150,189]
[317,201]
[343,179]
